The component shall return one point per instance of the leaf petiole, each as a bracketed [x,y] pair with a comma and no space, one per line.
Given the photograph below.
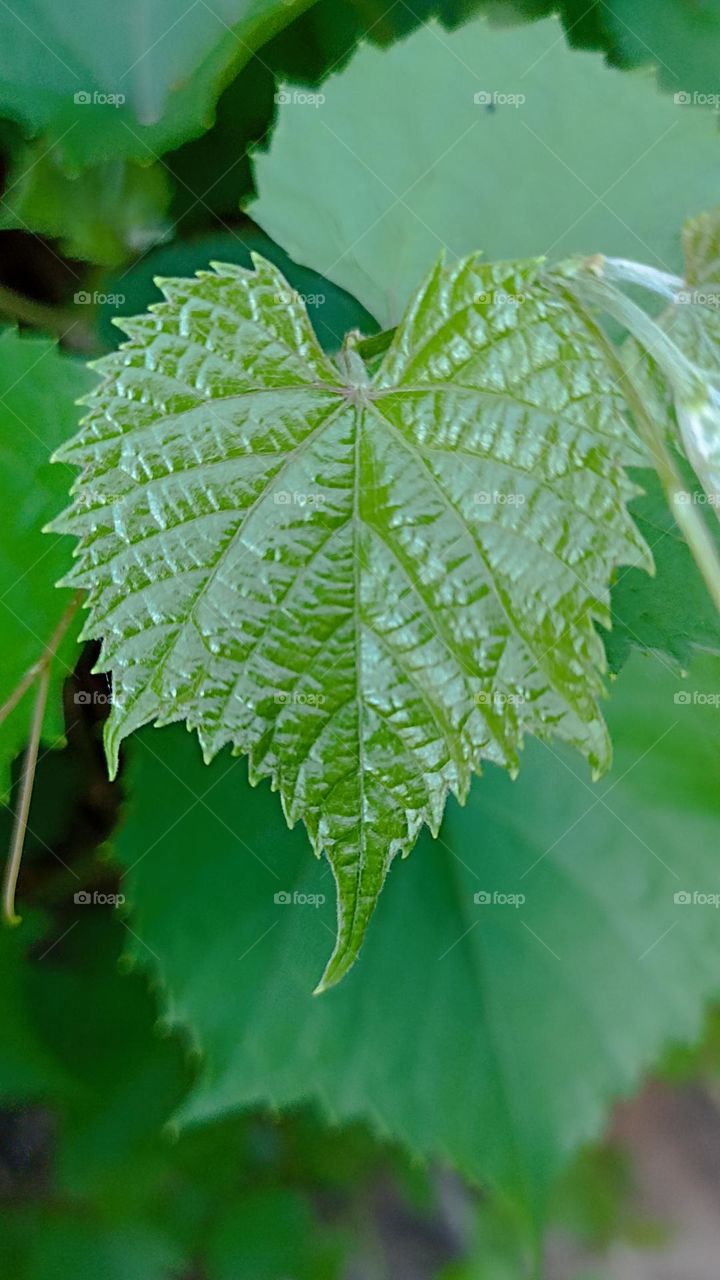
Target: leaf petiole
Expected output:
[40,672]
[12,868]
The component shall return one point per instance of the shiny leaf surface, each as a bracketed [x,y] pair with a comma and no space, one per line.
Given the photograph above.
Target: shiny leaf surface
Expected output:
[368,585]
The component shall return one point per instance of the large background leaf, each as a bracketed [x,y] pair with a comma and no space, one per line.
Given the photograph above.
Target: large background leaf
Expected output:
[168,63]
[356,190]
[493,1034]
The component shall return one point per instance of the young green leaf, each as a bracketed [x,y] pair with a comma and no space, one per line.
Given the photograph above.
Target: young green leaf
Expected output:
[366,584]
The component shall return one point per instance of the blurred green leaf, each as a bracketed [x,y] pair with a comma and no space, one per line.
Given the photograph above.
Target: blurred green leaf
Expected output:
[671,613]
[67,1247]
[28,1069]
[101,83]
[269,1235]
[101,1027]
[680,40]
[494,1033]
[38,390]
[105,215]
[357,190]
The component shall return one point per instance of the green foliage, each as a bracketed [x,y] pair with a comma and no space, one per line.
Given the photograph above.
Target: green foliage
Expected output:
[106,214]
[670,613]
[166,69]
[27,1069]
[38,390]
[680,40]
[272,1233]
[371,564]
[121,1198]
[359,191]
[701,248]
[265,541]
[332,312]
[511,1026]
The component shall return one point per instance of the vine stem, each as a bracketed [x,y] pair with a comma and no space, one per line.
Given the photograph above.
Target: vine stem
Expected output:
[681,503]
[40,672]
[12,868]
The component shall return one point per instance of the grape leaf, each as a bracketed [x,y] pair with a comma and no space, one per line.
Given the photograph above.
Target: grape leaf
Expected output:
[366,585]
[38,390]
[374,217]
[681,40]
[105,215]
[61,73]
[511,1027]
[332,311]
[668,613]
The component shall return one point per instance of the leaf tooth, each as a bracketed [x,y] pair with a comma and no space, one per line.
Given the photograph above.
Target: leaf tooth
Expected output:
[140,329]
[175,289]
[231,270]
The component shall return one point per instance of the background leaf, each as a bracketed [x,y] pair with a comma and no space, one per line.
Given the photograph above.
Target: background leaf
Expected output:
[493,1034]
[354,189]
[168,66]
[671,613]
[38,389]
[105,215]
